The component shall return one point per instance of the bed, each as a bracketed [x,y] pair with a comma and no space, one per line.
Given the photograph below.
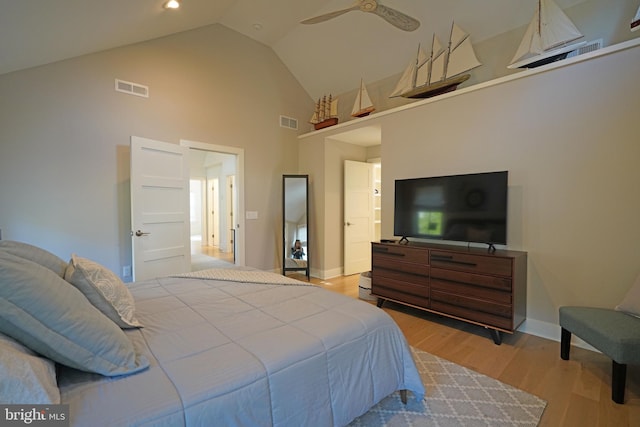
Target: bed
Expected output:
[230,347]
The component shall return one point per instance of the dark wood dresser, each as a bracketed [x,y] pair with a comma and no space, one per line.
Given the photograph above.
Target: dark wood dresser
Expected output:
[469,284]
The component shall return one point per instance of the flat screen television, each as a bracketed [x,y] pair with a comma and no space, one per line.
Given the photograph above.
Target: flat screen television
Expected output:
[464,208]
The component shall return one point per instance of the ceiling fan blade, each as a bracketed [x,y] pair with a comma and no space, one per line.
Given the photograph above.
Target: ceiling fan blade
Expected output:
[396,18]
[328,16]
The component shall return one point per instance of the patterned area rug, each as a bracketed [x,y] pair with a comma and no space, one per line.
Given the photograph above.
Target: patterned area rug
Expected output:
[455,396]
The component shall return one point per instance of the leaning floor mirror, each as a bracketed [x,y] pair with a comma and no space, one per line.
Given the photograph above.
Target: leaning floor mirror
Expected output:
[295,223]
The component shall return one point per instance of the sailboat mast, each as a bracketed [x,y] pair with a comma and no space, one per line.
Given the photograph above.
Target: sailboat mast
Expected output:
[316,115]
[539,16]
[415,69]
[433,40]
[446,61]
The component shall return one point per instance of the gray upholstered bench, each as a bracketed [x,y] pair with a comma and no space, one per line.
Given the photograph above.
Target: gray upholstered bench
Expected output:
[614,333]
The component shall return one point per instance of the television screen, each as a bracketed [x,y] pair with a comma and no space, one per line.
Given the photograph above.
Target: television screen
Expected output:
[466,208]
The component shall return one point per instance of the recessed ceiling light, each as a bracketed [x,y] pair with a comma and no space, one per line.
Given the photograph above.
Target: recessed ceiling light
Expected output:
[172,4]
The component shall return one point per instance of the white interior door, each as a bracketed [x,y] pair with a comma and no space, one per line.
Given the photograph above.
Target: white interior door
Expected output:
[231,209]
[213,203]
[358,216]
[235,167]
[159,208]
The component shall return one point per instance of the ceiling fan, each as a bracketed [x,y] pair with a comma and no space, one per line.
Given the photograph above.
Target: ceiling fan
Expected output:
[392,16]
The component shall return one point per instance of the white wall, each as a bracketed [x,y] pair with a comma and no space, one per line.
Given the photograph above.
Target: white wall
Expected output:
[323,160]
[64,137]
[568,137]
[335,154]
[312,162]
[604,20]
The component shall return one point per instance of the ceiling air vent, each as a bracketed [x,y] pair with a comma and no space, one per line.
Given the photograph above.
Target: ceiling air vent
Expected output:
[589,47]
[288,122]
[132,88]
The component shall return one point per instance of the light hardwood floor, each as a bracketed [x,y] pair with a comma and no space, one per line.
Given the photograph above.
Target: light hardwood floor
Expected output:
[578,391]
[212,251]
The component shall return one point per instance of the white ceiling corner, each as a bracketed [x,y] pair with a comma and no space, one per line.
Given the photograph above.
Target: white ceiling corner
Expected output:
[330,57]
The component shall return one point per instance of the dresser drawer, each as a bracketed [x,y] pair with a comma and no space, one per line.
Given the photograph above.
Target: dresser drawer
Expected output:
[419,277]
[479,280]
[472,303]
[401,291]
[471,291]
[492,314]
[400,253]
[472,263]
[388,265]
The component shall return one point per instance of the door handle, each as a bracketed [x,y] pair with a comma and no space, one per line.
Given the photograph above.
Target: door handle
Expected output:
[348,224]
[140,233]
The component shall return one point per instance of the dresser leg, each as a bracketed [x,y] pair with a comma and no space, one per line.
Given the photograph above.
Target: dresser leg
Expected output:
[496,335]
[380,302]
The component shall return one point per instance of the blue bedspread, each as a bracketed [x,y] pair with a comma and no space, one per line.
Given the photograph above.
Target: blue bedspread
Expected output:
[230,353]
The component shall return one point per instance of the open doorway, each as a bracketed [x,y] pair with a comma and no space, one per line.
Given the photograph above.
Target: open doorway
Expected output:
[214,171]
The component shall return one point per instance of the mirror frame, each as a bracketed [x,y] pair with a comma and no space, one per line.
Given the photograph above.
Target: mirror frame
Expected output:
[285,245]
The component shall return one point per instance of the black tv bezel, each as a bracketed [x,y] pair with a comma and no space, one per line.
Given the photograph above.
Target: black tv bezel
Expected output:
[404,237]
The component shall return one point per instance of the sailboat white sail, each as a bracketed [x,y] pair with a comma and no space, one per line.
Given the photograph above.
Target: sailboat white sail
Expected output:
[635,23]
[435,66]
[462,57]
[441,71]
[363,105]
[547,37]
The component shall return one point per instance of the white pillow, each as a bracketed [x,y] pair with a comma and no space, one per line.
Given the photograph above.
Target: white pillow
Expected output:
[631,302]
[26,377]
[103,289]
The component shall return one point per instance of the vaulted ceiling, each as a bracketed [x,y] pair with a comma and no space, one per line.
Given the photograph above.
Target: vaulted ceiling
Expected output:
[331,56]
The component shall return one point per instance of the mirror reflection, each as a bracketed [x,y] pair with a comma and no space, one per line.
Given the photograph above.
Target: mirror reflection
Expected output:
[295,209]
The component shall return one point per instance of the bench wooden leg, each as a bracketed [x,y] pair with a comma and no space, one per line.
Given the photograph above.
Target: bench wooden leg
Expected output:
[565,344]
[618,380]
[403,396]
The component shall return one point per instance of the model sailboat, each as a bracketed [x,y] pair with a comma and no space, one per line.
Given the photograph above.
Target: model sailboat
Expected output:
[440,72]
[635,23]
[363,105]
[547,38]
[326,113]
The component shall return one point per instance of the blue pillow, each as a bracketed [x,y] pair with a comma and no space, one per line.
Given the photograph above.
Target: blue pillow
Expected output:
[51,317]
[26,377]
[35,254]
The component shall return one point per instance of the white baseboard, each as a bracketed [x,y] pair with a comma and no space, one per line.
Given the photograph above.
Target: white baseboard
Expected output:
[550,331]
[328,274]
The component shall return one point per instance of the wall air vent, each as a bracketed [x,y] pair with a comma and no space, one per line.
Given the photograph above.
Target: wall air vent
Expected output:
[132,88]
[589,47]
[288,122]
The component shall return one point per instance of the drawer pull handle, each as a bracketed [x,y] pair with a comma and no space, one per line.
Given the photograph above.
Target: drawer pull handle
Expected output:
[395,253]
[386,252]
[450,260]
